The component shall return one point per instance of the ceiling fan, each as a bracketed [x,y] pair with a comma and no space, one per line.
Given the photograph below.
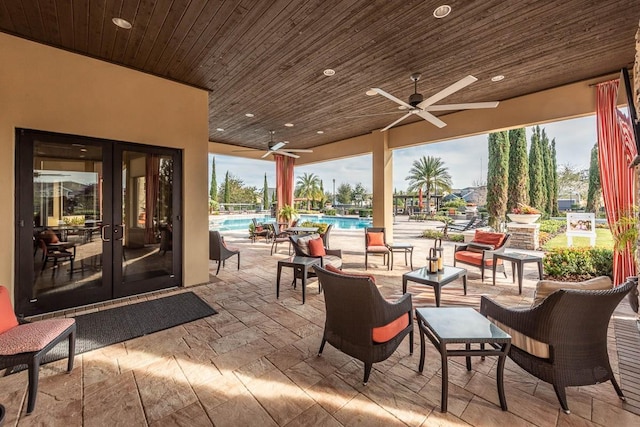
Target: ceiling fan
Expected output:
[276,148]
[422,107]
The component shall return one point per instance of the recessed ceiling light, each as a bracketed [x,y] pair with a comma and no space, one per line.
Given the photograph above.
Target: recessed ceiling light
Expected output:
[289,125]
[249,115]
[83,150]
[497,78]
[329,72]
[320,132]
[442,11]
[371,92]
[220,129]
[122,23]
[402,107]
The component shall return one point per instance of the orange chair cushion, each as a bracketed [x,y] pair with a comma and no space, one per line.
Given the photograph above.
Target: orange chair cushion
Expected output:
[332,269]
[8,318]
[489,238]
[316,247]
[390,330]
[473,258]
[31,337]
[375,239]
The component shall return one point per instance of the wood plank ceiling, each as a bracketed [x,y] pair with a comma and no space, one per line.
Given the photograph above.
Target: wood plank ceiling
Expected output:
[267,57]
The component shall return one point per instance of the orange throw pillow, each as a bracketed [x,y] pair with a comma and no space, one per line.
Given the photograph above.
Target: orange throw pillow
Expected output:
[390,330]
[489,238]
[316,247]
[375,239]
[332,269]
[7,316]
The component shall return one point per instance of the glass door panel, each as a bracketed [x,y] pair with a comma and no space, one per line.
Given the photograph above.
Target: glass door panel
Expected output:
[147,218]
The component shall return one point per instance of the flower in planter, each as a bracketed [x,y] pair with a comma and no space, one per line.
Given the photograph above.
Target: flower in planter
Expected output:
[523,209]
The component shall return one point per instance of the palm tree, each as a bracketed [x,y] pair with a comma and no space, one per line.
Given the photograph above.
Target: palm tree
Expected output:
[308,186]
[428,173]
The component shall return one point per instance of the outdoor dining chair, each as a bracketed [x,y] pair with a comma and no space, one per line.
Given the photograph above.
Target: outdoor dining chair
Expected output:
[26,343]
[375,241]
[218,250]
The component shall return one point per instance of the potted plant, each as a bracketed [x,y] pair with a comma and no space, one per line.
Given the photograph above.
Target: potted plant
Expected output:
[524,214]
[287,213]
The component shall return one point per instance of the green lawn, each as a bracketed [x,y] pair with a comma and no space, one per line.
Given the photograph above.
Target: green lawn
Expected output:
[604,240]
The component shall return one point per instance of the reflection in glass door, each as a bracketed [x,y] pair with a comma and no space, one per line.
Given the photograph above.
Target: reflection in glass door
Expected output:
[97,220]
[147,221]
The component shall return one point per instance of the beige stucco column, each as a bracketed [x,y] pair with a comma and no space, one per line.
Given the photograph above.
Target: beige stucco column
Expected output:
[382,165]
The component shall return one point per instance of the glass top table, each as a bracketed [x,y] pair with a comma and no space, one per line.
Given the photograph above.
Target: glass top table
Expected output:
[436,280]
[456,325]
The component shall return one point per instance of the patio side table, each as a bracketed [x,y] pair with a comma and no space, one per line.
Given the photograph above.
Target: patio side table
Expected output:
[518,260]
[435,280]
[407,248]
[300,265]
[462,325]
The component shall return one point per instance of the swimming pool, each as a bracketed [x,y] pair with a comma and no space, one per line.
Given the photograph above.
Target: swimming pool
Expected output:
[340,223]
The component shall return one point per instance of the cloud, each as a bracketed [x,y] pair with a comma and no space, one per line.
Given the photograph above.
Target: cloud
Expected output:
[466,159]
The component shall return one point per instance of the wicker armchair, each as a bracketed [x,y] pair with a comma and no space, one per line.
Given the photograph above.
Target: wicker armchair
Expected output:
[372,332]
[374,245]
[26,343]
[479,252]
[218,250]
[562,340]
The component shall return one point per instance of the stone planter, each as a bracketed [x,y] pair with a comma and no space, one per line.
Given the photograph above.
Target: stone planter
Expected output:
[523,218]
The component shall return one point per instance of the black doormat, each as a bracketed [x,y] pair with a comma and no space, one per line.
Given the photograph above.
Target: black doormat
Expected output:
[103,328]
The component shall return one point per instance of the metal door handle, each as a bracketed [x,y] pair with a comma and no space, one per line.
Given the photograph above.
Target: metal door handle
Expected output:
[104,227]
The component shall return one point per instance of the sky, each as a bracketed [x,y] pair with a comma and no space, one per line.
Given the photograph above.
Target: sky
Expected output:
[465,158]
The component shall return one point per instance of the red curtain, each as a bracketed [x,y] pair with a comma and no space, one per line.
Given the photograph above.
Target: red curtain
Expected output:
[615,152]
[284,180]
[152,184]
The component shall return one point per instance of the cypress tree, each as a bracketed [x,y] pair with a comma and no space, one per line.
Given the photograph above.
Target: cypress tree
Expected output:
[548,183]
[227,190]
[265,194]
[554,176]
[593,196]
[213,192]
[536,172]
[497,177]
[518,191]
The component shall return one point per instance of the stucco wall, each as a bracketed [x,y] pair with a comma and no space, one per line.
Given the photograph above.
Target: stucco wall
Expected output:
[54,90]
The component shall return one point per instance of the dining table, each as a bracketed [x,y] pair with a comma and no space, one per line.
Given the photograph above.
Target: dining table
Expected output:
[301,230]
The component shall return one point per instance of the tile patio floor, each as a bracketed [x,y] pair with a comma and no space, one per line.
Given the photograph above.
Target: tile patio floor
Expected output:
[255,363]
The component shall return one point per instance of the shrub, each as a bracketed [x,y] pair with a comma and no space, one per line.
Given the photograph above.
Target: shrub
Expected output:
[455,203]
[432,234]
[552,226]
[321,226]
[456,237]
[574,264]
[330,211]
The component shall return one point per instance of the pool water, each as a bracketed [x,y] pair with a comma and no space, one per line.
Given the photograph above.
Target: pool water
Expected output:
[339,223]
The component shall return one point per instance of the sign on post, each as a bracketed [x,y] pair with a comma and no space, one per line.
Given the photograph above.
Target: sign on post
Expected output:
[582,225]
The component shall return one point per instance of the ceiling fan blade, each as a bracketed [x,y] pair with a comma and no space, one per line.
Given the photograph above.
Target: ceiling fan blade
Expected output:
[396,122]
[278,146]
[299,150]
[391,97]
[431,118]
[266,154]
[286,153]
[447,91]
[468,106]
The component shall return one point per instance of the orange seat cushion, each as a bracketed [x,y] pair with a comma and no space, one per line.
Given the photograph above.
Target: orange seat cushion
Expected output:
[316,247]
[8,318]
[489,238]
[473,258]
[390,330]
[375,239]
[332,269]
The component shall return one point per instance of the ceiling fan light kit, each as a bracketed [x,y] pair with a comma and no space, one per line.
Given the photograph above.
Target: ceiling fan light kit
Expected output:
[419,106]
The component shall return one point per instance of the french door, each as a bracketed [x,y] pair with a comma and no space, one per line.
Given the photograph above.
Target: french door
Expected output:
[96,220]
